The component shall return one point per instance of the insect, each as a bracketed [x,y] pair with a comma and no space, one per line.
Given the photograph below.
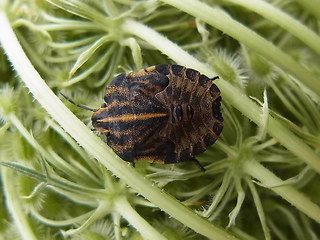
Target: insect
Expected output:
[164,114]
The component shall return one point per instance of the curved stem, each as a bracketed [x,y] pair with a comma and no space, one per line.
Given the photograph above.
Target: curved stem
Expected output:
[123,207]
[235,29]
[94,145]
[284,20]
[290,194]
[14,205]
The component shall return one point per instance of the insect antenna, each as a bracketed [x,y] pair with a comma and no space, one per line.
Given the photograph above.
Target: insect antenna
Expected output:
[78,105]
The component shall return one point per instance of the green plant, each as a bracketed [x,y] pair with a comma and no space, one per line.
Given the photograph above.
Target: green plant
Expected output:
[268,65]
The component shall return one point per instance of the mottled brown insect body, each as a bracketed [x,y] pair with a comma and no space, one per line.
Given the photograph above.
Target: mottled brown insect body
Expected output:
[164,114]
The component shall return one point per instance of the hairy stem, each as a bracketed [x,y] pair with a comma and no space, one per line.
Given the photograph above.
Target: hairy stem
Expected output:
[277,16]
[296,198]
[14,205]
[124,208]
[94,145]
[235,29]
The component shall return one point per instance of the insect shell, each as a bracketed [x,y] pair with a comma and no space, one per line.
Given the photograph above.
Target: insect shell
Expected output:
[164,114]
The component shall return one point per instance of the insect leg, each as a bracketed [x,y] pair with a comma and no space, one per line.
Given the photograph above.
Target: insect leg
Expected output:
[198,164]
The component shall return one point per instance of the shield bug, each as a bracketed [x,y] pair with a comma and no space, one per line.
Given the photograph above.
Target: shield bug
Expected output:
[164,114]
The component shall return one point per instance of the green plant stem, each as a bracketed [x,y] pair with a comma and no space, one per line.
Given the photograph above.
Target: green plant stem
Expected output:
[94,145]
[292,221]
[70,140]
[284,20]
[230,94]
[222,21]
[14,205]
[123,207]
[111,8]
[58,223]
[312,6]
[116,217]
[83,10]
[102,210]
[259,207]
[50,156]
[290,194]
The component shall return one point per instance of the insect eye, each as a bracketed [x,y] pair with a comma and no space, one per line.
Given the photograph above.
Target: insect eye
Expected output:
[179,112]
[189,111]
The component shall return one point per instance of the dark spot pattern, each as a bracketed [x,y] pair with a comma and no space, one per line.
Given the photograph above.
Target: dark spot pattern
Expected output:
[160,114]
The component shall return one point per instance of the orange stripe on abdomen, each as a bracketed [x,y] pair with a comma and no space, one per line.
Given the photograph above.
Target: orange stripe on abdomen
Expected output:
[132,117]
